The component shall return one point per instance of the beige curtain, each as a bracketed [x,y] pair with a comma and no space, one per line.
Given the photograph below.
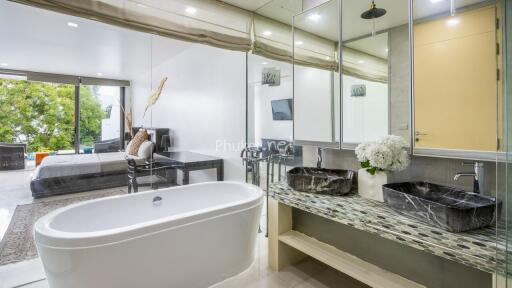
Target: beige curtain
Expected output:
[212,23]
[364,66]
[313,51]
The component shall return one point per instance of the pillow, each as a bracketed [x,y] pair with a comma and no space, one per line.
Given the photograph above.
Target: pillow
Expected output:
[145,150]
[138,139]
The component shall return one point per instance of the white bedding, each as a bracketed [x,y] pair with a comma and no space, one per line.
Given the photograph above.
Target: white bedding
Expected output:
[78,164]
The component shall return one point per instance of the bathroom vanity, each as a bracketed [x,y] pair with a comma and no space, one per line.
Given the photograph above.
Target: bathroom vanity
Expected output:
[475,249]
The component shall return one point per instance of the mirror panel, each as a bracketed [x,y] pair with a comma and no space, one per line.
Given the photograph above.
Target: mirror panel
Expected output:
[457,78]
[316,81]
[376,72]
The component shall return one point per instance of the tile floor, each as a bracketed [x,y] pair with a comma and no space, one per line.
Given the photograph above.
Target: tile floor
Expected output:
[15,190]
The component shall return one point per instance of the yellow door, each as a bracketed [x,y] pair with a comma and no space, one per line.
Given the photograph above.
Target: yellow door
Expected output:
[455,81]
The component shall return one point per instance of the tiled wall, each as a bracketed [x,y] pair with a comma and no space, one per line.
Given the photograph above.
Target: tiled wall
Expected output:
[436,170]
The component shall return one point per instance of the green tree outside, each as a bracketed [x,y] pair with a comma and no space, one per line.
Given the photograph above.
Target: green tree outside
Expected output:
[42,115]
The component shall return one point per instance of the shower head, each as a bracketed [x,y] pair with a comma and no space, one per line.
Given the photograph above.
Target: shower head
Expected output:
[373,12]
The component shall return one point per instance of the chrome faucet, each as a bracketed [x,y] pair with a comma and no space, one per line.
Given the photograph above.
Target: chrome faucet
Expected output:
[319,158]
[478,175]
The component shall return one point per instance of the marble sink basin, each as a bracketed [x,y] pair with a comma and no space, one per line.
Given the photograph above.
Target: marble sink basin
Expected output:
[450,208]
[320,180]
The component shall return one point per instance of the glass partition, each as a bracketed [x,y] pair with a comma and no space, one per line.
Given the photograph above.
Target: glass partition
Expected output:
[100,119]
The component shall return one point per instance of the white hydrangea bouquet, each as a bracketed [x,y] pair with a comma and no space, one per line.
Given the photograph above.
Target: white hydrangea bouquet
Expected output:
[387,154]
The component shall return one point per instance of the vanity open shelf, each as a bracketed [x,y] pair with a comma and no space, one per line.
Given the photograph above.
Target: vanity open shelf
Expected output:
[350,265]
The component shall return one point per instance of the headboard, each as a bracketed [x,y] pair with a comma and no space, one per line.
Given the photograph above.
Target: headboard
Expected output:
[155,135]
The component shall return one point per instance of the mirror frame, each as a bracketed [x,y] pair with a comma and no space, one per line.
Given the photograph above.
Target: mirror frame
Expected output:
[334,144]
[444,152]
[352,145]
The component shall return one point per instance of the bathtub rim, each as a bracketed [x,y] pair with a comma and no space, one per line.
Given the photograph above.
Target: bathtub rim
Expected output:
[50,237]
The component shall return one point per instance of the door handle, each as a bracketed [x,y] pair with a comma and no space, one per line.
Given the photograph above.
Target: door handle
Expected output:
[417,134]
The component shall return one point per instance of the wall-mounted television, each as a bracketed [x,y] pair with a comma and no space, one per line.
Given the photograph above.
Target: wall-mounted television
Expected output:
[282,109]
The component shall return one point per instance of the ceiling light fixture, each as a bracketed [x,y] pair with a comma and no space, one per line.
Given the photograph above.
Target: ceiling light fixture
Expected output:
[314,17]
[387,49]
[298,42]
[267,33]
[141,5]
[191,10]
[264,63]
[453,22]
[436,1]
[72,24]
[360,61]
[4,64]
[99,74]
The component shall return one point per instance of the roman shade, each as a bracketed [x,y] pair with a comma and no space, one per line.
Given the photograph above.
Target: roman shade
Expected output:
[207,21]
[275,40]
[364,66]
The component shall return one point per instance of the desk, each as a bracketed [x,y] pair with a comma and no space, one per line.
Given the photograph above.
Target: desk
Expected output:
[190,161]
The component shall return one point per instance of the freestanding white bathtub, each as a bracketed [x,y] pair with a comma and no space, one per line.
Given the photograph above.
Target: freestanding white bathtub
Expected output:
[183,237]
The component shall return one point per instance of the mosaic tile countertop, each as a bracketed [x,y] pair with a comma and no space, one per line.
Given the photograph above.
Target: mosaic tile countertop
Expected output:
[475,248]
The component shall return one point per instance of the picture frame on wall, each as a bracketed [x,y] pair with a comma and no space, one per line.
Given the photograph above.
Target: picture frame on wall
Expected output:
[271,77]
[358,90]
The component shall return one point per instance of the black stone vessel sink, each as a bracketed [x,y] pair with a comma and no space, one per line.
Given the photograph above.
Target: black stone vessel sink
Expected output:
[449,208]
[320,180]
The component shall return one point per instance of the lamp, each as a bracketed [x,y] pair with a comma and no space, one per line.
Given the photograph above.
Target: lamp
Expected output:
[165,142]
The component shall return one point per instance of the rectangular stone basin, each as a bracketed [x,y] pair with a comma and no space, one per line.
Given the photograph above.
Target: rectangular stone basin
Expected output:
[452,209]
[320,180]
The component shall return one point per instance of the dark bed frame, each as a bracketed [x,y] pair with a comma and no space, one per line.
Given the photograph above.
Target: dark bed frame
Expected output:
[92,181]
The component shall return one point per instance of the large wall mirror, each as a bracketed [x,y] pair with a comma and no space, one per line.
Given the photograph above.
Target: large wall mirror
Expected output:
[376,69]
[457,78]
[316,85]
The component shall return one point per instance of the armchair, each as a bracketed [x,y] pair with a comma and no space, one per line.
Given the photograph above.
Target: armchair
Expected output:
[12,156]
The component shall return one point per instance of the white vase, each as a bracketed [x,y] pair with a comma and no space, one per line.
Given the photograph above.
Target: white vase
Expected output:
[370,186]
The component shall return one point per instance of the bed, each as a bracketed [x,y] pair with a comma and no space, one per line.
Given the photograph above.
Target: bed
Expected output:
[64,174]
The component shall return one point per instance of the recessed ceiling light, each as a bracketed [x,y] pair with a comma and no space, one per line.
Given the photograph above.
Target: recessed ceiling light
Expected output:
[299,42]
[360,61]
[191,10]
[264,63]
[99,74]
[72,24]
[314,17]
[267,33]
[4,64]
[436,1]
[453,22]
[387,49]
[327,58]
[141,5]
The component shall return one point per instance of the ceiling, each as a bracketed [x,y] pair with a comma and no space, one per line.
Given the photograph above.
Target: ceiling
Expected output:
[353,25]
[46,43]
[376,46]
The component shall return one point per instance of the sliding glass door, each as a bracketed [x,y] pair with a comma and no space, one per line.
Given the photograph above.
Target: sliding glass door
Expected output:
[100,119]
[40,114]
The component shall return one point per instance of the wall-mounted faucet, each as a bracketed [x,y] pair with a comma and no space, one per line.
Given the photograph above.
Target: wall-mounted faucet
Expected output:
[319,158]
[478,175]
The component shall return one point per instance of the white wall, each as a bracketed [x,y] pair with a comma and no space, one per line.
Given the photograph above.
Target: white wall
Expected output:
[260,122]
[265,126]
[364,118]
[313,104]
[203,102]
